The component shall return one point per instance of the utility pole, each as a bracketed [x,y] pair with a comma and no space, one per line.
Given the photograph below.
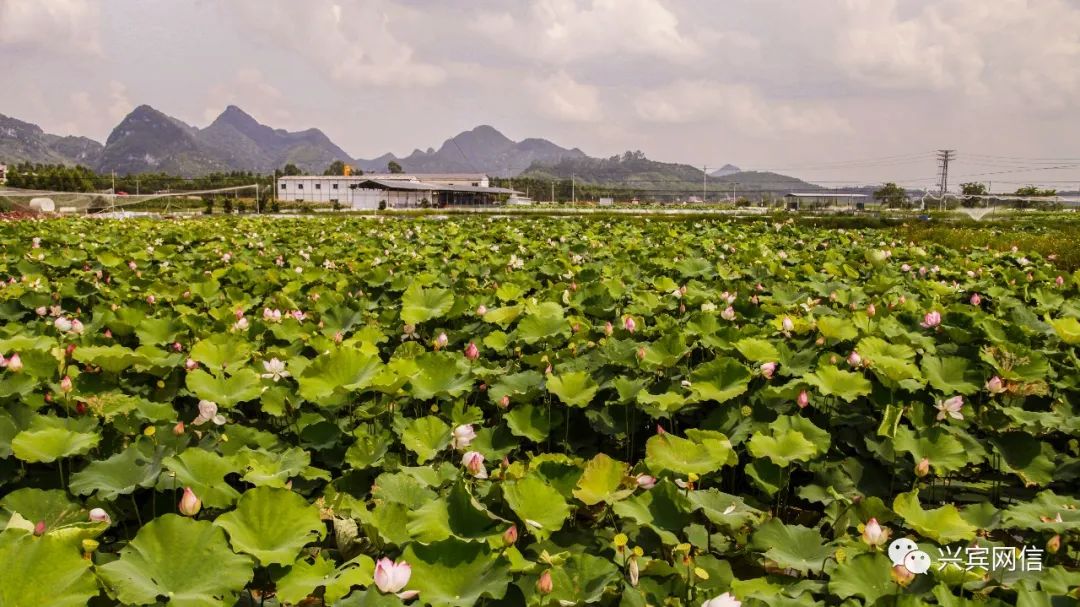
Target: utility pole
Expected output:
[704,182]
[552,192]
[114,183]
[733,184]
[573,191]
[944,156]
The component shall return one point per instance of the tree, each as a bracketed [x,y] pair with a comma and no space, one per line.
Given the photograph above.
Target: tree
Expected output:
[336,167]
[972,189]
[1034,191]
[291,170]
[891,195]
[394,167]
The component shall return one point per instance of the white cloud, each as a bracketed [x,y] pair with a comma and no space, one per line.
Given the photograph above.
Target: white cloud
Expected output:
[564,31]
[352,41]
[561,97]
[50,26]
[738,106]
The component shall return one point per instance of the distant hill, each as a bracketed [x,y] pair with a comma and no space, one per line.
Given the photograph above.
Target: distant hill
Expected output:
[24,142]
[481,150]
[634,170]
[724,171]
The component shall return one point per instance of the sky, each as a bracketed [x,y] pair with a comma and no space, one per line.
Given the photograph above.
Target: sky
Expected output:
[835,91]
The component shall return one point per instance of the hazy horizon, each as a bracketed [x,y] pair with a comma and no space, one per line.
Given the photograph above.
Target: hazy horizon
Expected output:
[844,91]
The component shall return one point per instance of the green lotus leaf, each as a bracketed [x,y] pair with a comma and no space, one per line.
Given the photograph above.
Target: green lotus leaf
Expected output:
[272,524]
[304,578]
[503,316]
[601,481]
[945,452]
[226,391]
[113,359]
[370,597]
[719,381]
[515,385]
[1068,329]
[44,570]
[575,388]
[665,352]
[185,560]
[728,511]
[1026,456]
[222,352]
[942,524]
[836,328]
[583,579]
[665,509]
[791,546]
[533,423]
[453,573]
[783,449]
[47,440]
[424,436]
[271,469]
[134,467]
[541,508]
[159,330]
[950,375]
[338,372]
[63,518]
[832,381]
[545,320]
[893,364]
[205,473]
[439,374]
[663,403]
[458,515]
[755,349]
[1048,512]
[420,305]
[701,452]
[868,576]
[369,449]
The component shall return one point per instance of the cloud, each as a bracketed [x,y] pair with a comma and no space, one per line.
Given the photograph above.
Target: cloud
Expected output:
[249,90]
[50,26]
[351,41]
[563,31]
[739,106]
[561,97]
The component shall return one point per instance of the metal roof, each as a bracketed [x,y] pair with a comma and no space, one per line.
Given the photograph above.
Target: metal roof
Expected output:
[824,195]
[388,184]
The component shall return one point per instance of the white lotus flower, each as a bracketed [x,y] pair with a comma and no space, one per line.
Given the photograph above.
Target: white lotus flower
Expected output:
[275,369]
[950,408]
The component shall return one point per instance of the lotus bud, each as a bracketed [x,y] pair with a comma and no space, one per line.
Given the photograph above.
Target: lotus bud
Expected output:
[504,402]
[474,463]
[98,515]
[724,600]
[441,341]
[150,299]
[573,286]
[645,481]
[65,384]
[1053,545]
[871,310]
[62,324]
[660,429]
[1059,281]
[69,350]
[391,577]
[547,370]
[854,359]
[481,310]
[901,575]
[15,363]
[633,571]
[995,385]
[788,324]
[471,351]
[641,353]
[975,299]
[190,364]
[462,436]
[803,400]
[922,468]
[510,536]
[190,504]
[874,534]
[80,408]
[629,324]
[39,528]
[108,334]
[820,341]
[178,429]
[767,370]
[544,585]
[41,311]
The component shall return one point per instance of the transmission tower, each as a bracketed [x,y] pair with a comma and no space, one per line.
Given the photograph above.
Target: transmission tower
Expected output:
[944,156]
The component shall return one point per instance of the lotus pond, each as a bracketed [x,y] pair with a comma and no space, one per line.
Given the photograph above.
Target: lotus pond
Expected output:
[543,411]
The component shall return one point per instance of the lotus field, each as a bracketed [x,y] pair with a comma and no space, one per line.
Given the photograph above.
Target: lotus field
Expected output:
[484,411]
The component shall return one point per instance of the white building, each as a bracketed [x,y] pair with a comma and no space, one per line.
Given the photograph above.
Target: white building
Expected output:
[3,174]
[397,190]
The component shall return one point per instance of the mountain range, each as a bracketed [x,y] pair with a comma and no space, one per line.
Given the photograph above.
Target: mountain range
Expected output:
[149,141]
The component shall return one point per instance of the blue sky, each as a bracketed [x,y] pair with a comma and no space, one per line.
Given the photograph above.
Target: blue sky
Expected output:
[805,87]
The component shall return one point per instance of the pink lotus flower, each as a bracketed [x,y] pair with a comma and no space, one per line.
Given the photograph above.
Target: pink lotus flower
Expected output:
[767,370]
[471,351]
[728,313]
[629,324]
[15,363]
[190,504]
[298,315]
[950,408]
[474,463]
[98,515]
[441,340]
[1059,281]
[241,325]
[874,534]
[77,327]
[645,481]
[931,319]
[976,300]
[544,585]
[787,324]
[62,324]
[190,364]
[804,399]
[481,310]
[391,578]
[724,600]
[208,411]
[462,436]
[41,311]
[905,268]
[995,385]
[66,385]
[854,359]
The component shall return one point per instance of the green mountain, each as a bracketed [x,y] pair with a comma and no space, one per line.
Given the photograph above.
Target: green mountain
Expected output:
[24,142]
